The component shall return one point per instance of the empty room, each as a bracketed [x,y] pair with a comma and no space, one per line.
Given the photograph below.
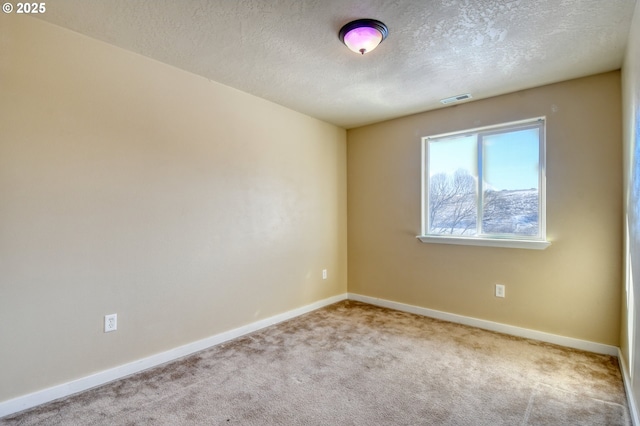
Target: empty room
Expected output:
[301,212]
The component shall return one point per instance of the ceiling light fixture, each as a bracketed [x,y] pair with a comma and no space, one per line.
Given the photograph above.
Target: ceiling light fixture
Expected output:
[363,35]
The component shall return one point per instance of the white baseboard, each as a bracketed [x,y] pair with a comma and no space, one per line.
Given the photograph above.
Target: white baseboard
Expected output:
[626,378]
[60,391]
[490,325]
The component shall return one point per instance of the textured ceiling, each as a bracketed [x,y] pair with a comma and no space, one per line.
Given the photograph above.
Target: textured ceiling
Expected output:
[288,51]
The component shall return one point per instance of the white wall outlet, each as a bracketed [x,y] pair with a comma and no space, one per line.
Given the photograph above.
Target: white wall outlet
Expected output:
[499,290]
[110,323]
[324,274]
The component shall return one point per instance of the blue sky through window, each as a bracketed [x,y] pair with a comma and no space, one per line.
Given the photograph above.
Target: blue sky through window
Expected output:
[511,159]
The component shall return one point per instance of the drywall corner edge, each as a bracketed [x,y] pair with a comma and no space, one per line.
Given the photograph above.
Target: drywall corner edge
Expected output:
[626,379]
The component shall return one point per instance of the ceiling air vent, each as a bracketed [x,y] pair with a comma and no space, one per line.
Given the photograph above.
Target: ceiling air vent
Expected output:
[455,99]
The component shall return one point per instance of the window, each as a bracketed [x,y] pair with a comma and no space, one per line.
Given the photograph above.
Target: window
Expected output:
[486,186]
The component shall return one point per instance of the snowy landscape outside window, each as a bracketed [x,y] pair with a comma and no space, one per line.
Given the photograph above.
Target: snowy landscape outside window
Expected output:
[486,186]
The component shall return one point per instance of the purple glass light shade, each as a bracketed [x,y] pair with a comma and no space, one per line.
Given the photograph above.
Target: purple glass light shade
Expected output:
[363,35]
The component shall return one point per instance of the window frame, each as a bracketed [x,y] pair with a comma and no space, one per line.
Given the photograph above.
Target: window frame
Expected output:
[539,241]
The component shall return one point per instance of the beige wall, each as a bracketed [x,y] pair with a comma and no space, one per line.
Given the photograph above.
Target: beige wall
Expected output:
[128,186]
[571,288]
[630,347]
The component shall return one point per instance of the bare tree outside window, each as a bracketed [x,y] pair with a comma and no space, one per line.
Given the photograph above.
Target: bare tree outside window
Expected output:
[511,212]
[452,203]
[452,207]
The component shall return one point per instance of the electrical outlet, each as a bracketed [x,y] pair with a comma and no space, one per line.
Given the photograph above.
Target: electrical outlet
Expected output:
[110,323]
[324,274]
[499,290]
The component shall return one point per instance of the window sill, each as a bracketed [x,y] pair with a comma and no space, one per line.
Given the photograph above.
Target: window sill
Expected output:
[487,242]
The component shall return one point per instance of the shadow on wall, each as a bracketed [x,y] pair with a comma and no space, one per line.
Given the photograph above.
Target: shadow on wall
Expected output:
[634,202]
[633,238]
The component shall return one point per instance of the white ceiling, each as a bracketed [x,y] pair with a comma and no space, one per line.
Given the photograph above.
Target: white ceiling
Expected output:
[288,51]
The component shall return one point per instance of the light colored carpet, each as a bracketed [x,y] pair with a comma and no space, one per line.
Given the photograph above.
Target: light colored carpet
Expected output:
[357,364]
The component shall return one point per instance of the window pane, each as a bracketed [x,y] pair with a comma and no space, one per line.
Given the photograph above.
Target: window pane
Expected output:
[452,166]
[510,166]
[485,184]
